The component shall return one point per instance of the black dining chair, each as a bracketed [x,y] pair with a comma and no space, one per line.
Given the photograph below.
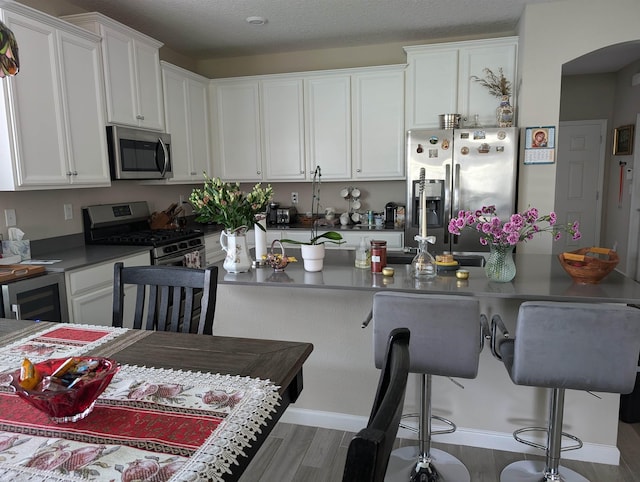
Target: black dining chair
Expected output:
[369,451]
[173,298]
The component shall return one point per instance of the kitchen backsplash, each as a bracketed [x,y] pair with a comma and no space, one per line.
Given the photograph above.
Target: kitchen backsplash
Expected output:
[41,214]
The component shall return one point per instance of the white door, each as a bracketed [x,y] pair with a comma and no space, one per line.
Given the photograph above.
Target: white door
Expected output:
[579,180]
[633,248]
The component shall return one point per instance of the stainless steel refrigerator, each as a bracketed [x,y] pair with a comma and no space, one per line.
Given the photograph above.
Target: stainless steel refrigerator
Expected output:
[464,169]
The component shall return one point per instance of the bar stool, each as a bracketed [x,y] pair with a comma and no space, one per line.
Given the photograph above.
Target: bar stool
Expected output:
[446,340]
[578,346]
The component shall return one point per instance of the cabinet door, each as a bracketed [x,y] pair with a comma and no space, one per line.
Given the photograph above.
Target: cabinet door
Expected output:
[328,122]
[199,132]
[432,86]
[283,129]
[378,125]
[81,73]
[40,155]
[120,72]
[176,118]
[475,99]
[239,156]
[187,121]
[149,86]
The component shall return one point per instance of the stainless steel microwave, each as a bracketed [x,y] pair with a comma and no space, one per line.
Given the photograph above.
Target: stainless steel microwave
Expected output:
[138,153]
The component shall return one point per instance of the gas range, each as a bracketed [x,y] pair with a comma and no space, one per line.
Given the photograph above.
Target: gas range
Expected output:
[128,224]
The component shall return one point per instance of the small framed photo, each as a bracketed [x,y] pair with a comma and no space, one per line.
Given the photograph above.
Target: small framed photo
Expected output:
[623,141]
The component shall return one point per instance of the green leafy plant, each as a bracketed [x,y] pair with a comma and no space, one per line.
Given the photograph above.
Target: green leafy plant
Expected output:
[497,84]
[328,237]
[226,204]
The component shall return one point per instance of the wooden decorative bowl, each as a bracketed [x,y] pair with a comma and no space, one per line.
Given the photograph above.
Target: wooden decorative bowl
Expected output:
[589,265]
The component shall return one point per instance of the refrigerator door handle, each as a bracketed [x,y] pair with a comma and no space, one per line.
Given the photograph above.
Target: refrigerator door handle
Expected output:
[447,201]
[456,194]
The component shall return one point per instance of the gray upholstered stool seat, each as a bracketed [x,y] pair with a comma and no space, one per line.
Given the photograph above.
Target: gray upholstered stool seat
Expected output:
[578,346]
[446,339]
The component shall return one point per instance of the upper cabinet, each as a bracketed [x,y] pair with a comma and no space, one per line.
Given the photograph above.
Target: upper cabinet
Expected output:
[133,83]
[187,120]
[378,123]
[328,117]
[237,138]
[438,80]
[281,127]
[52,113]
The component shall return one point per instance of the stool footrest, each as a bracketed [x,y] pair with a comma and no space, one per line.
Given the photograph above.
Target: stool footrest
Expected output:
[453,426]
[516,435]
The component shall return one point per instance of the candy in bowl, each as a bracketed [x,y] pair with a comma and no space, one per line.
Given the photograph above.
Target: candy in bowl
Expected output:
[66,389]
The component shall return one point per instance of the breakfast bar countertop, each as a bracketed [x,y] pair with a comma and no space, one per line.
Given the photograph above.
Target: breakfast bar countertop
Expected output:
[538,277]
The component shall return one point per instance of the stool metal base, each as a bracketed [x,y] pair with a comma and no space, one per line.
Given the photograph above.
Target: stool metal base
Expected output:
[533,471]
[404,460]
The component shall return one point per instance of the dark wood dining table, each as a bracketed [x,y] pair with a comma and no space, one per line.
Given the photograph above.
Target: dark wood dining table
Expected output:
[280,362]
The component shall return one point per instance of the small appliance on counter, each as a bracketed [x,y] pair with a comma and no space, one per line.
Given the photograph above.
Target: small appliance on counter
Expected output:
[277,215]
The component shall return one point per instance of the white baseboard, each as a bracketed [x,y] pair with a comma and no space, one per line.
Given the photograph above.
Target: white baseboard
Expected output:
[597,453]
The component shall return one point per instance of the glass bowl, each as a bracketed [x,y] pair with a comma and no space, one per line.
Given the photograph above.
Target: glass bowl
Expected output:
[75,402]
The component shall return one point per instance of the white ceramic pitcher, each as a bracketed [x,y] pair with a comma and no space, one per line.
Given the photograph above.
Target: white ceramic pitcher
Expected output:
[234,244]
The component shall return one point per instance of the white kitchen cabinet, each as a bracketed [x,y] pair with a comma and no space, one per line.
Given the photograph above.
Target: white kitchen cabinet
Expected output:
[438,80]
[378,124]
[52,113]
[133,82]
[187,120]
[90,291]
[352,238]
[212,250]
[282,128]
[237,140]
[328,123]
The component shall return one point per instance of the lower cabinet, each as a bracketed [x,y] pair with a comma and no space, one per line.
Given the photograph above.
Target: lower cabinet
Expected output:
[213,252]
[351,238]
[90,291]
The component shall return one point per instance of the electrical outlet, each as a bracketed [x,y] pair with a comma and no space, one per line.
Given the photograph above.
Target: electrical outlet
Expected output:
[68,212]
[294,198]
[10,217]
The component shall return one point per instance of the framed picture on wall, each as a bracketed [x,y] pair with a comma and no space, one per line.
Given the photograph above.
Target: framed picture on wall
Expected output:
[623,140]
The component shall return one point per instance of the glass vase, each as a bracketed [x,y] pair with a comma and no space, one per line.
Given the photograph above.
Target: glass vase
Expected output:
[500,266]
[504,112]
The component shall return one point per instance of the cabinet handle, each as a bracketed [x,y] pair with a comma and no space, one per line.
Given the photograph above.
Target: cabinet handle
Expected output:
[69,173]
[193,173]
[258,173]
[358,170]
[75,173]
[140,117]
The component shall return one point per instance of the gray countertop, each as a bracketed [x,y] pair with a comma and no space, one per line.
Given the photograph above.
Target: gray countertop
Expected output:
[539,277]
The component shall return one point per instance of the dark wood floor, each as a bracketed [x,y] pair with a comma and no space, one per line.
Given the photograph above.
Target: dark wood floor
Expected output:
[309,454]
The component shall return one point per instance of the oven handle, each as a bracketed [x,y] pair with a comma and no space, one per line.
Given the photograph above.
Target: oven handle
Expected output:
[176,260]
[164,168]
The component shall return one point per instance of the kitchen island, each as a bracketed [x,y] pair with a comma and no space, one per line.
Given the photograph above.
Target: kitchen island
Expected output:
[327,308]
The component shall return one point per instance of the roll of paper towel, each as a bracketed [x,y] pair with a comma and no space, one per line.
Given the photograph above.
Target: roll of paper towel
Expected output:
[261,239]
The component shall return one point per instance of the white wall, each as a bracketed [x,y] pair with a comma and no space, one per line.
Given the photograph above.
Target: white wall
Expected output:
[551,34]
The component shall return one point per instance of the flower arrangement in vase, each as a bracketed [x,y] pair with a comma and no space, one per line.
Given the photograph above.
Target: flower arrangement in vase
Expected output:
[313,250]
[503,236]
[500,87]
[226,204]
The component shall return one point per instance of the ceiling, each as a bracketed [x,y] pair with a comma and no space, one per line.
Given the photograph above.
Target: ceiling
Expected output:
[204,29]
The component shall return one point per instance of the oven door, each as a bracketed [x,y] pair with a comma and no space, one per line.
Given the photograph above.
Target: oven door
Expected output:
[192,258]
[42,298]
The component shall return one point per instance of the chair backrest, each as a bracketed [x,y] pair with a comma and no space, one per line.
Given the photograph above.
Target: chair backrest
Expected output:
[370,449]
[446,331]
[173,298]
[580,346]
